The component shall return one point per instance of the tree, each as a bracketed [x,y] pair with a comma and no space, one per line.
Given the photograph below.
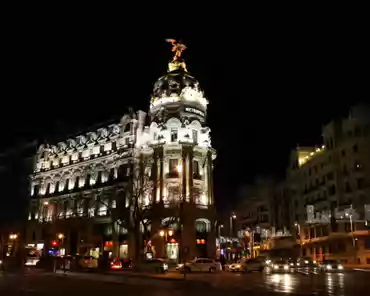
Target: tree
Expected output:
[140,200]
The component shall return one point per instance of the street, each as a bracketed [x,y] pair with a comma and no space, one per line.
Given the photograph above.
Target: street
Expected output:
[298,283]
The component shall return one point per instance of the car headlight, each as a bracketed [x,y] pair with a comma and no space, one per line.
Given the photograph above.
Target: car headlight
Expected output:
[180,265]
[340,266]
[237,266]
[286,267]
[276,266]
[328,266]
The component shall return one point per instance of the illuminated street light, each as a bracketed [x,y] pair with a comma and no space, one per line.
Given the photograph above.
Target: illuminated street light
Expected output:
[60,235]
[170,232]
[179,168]
[161,233]
[13,236]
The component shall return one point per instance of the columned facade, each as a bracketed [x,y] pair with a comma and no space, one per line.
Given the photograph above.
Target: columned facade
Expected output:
[83,188]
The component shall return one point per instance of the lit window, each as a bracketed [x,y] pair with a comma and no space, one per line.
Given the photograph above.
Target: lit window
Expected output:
[174,135]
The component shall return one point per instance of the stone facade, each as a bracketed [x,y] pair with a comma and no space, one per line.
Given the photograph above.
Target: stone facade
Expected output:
[82,188]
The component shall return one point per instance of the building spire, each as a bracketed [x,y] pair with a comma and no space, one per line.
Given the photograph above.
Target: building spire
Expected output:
[178,48]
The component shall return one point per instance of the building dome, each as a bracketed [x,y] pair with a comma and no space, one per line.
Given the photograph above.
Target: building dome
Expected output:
[173,83]
[177,86]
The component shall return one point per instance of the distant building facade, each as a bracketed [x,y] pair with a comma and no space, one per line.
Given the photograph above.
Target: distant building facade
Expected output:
[329,191]
[254,217]
[82,188]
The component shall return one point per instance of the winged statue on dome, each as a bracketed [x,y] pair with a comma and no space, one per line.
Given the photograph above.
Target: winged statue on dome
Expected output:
[178,48]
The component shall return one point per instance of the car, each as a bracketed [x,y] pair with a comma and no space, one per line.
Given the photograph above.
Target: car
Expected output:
[201,265]
[306,262]
[88,262]
[282,266]
[331,265]
[155,265]
[247,265]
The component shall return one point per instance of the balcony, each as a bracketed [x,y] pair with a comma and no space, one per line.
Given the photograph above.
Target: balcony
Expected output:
[197,177]
[173,174]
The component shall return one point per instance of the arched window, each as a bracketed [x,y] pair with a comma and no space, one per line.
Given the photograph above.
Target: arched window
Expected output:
[202,225]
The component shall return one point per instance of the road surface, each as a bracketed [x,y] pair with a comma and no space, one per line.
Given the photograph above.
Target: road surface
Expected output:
[298,283]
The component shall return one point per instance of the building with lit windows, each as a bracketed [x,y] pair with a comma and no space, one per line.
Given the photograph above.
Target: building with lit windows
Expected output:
[78,185]
[329,190]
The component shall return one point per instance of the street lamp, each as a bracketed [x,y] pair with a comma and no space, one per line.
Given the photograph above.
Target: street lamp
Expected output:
[351,225]
[296,224]
[13,236]
[219,229]
[232,216]
[164,234]
[46,203]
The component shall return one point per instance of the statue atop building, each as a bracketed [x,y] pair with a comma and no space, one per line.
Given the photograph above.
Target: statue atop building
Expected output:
[178,48]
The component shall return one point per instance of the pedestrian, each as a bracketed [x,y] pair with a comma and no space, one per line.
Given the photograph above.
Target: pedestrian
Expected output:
[223,262]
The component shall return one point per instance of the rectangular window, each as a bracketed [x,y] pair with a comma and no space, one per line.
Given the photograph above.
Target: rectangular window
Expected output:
[195,136]
[196,168]
[173,165]
[173,134]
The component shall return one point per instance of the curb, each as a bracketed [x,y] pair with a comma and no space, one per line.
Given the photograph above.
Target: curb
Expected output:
[361,269]
[125,279]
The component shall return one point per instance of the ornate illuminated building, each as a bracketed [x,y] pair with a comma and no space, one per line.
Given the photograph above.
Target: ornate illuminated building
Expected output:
[79,185]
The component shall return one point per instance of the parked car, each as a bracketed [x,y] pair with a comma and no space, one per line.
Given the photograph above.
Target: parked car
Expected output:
[247,265]
[88,262]
[154,265]
[201,265]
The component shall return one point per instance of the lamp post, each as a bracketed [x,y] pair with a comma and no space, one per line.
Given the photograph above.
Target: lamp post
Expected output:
[298,226]
[232,217]
[61,238]
[164,234]
[219,230]
[13,237]
[352,235]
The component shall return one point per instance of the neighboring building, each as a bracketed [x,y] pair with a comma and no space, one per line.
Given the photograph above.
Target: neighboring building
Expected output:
[329,188]
[16,164]
[254,216]
[83,188]
[281,210]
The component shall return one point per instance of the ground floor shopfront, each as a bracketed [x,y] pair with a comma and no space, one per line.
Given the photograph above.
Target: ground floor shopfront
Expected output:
[350,248]
[88,238]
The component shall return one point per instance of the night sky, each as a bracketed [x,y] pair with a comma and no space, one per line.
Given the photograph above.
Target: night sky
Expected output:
[270,87]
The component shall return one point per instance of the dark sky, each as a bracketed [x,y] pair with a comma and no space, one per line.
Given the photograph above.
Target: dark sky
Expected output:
[270,85]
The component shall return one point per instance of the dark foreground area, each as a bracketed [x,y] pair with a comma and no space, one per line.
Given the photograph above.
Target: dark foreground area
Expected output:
[299,283]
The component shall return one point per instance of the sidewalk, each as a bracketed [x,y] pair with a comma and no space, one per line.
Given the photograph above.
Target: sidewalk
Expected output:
[168,280]
[357,266]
